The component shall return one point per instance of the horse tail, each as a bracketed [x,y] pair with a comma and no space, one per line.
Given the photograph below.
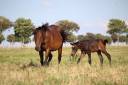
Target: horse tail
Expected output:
[105,42]
[64,35]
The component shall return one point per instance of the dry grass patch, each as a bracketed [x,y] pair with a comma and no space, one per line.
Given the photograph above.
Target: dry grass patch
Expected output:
[22,67]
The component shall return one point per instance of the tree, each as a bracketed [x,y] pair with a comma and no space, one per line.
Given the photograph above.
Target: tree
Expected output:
[89,36]
[127,39]
[69,27]
[1,38]
[80,37]
[4,23]
[23,30]
[126,34]
[108,38]
[114,37]
[100,36]
[116,27]
[11,38]
[122,38]
[71,38]
[126,30]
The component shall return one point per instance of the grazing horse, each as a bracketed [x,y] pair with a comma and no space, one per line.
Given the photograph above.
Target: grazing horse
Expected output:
[88,46]
[48,38]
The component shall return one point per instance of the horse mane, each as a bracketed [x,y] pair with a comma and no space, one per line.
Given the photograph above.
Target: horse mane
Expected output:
[53,26]
[45,26]
[75,43]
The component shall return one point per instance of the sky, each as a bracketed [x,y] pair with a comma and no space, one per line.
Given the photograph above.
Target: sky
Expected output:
[91,15]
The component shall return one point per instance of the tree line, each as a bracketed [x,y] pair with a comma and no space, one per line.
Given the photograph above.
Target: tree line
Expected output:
[23,28]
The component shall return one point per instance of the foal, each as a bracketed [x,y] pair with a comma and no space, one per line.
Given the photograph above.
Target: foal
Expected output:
[88,46]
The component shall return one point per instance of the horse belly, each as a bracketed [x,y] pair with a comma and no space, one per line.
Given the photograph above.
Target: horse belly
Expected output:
[93,49]
[56,45]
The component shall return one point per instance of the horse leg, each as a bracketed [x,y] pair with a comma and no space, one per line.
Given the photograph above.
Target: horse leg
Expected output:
[100,57]
[46,56]
[108,56]
[75,57]
[41,57]
[82,54]
[70,57]
[89,58]
[50,57]
[59,55]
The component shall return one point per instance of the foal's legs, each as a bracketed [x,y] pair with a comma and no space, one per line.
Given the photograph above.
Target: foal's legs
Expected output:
[41,57]
[89,58]
[59,55]
[100,57]
[50,57]
[82,54]
[108,56]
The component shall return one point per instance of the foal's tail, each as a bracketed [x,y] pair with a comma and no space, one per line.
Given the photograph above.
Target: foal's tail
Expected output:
[105,42]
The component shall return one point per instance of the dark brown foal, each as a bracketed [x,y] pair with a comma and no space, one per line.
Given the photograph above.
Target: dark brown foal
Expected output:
[89,46]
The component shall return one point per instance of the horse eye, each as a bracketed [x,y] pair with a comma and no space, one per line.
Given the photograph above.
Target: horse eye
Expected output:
[34,32]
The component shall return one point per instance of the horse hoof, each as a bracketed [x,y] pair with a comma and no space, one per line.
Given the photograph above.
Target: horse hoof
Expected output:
[46,64]
[42,64]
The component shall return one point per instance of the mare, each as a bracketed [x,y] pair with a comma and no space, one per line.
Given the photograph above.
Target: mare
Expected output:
[48,38]
[88,46]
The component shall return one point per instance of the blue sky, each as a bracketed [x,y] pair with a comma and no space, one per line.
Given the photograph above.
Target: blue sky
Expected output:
[91,15]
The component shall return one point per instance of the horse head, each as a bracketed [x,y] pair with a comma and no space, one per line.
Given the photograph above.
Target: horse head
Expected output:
[74,48]
[39,36]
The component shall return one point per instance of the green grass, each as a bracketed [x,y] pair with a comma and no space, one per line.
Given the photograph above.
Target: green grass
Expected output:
[21,66]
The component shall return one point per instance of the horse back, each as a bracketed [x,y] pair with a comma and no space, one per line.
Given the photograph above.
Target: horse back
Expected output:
[92,45]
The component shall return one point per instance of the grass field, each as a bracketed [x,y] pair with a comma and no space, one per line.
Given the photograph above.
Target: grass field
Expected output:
[20,66]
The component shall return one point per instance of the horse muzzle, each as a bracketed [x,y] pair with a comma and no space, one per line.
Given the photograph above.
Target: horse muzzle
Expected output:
[37,48]
[72,54]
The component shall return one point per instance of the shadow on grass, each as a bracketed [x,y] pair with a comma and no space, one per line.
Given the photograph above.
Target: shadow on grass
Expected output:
[30,64]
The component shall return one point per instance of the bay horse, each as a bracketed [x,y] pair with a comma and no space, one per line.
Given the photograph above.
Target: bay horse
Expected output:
[48,38]
[88,46]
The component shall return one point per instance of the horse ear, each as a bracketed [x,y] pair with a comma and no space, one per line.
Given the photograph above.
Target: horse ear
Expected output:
[45,26]
[71,43]
[33,31]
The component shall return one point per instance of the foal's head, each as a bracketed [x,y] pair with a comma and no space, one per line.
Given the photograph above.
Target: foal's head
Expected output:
[74,48]
[39,36]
